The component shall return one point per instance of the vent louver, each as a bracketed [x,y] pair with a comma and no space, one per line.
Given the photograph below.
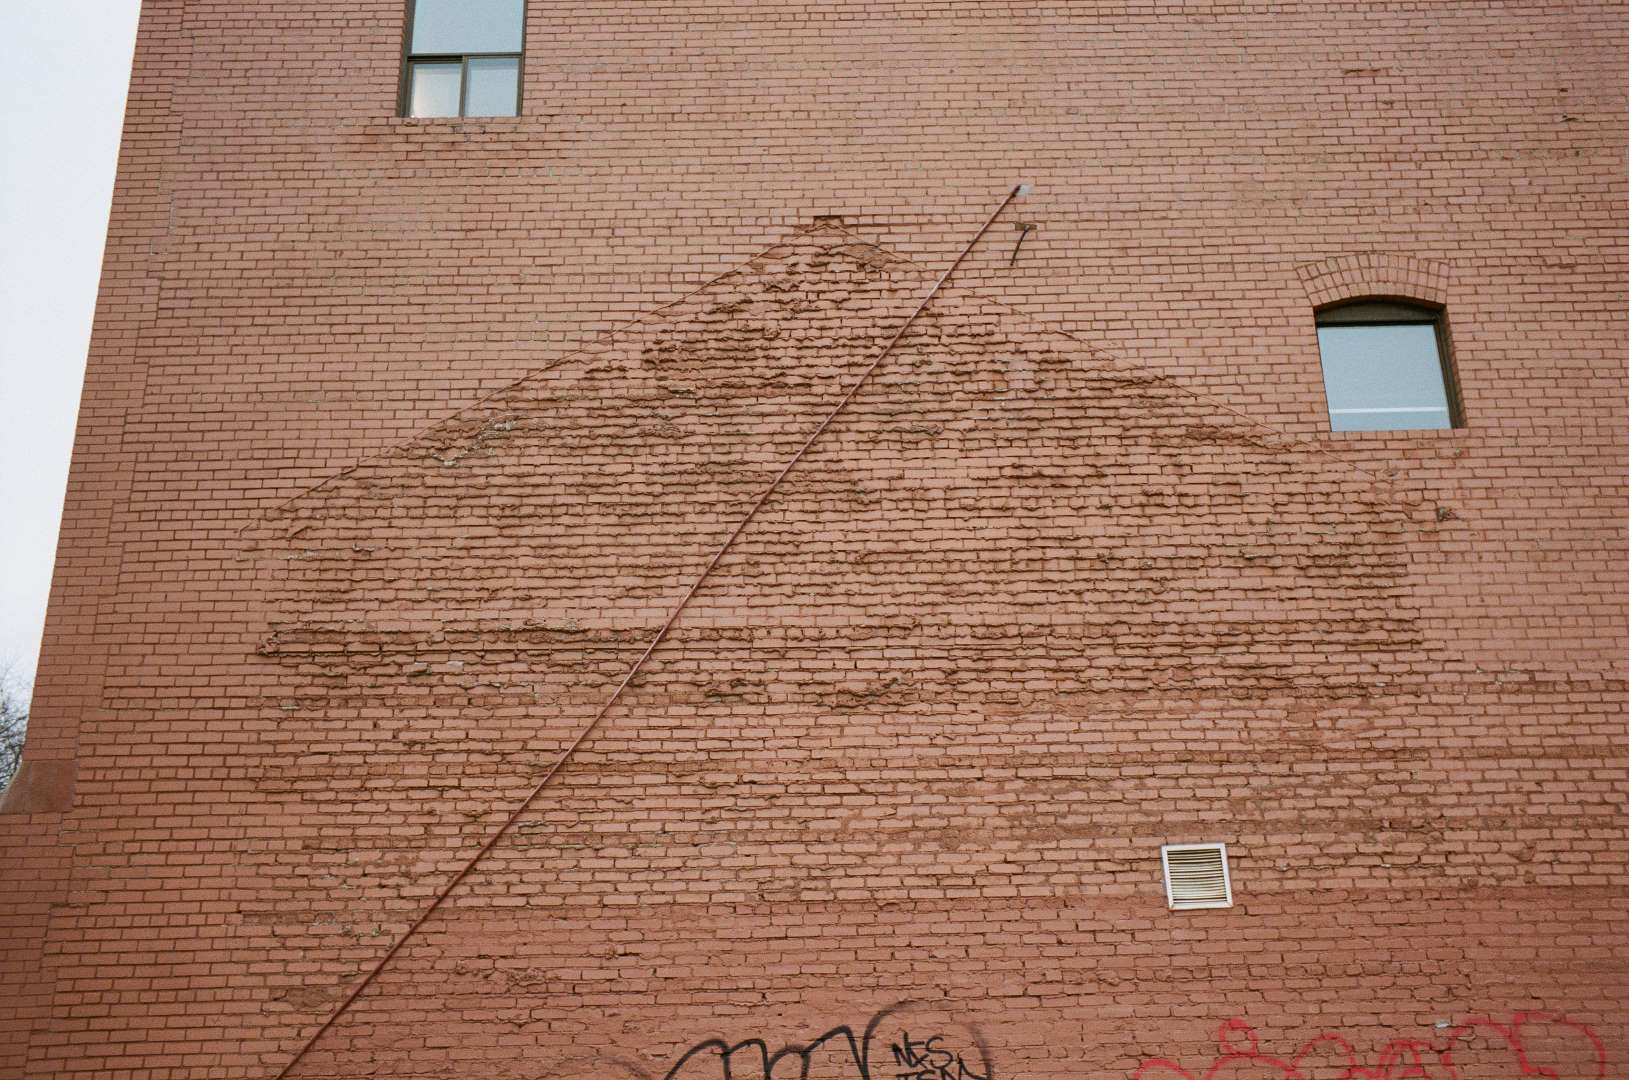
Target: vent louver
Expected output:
[1196,876]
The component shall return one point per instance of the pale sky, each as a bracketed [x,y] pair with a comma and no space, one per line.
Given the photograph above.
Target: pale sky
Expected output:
[62,87]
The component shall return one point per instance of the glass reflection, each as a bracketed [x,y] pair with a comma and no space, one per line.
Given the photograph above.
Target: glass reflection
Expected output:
[494,87]
[467,26]
[1383,378]
[434,89]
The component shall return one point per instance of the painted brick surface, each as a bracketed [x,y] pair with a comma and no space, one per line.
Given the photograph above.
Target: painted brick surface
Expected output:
[401,439]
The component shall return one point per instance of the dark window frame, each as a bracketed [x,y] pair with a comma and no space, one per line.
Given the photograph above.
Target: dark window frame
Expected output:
[1398,311]
[404,93]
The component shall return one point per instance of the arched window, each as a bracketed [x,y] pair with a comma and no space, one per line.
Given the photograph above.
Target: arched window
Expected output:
[1386,366]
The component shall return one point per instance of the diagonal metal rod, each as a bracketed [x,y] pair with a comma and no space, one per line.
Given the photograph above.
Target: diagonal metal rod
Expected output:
[661,634]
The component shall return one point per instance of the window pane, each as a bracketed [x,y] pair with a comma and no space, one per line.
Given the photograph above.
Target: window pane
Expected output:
[433,89]
[1383,378]
[467,26]
[494,87]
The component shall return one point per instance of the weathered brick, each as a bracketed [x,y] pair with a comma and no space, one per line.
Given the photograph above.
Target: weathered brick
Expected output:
[401,438]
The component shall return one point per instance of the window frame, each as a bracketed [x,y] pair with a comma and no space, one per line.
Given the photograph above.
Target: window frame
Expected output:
[404,92]
[1393,311]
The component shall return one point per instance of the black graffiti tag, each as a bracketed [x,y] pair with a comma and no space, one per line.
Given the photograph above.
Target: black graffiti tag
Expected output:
[927,1060]
[884,1051]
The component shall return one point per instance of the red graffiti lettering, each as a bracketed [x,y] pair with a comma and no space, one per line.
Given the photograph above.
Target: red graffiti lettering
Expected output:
[1548,1046]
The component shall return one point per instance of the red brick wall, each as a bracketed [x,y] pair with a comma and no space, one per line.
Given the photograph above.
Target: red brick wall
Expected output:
[1079,573]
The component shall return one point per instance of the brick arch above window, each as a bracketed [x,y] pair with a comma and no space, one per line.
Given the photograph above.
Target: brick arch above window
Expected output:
[1374,273]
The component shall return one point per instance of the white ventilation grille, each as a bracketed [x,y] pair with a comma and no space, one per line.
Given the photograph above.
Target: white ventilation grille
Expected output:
[1196,876]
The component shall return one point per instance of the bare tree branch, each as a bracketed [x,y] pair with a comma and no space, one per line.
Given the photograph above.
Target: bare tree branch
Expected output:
[14,699]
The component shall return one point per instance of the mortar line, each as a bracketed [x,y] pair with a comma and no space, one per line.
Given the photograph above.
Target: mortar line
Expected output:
[673,616]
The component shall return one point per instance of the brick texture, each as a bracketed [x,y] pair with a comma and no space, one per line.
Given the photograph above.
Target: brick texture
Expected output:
[400,440]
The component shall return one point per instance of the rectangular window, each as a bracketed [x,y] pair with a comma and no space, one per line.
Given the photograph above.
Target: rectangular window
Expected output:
[463,58]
